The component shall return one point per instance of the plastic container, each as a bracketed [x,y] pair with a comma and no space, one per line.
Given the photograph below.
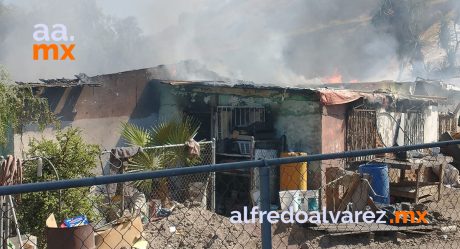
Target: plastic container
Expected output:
[70,238]
[380,181]
[293,176]
[290,198]
[310,200]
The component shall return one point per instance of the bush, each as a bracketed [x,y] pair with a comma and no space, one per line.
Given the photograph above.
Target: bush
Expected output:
[72,158]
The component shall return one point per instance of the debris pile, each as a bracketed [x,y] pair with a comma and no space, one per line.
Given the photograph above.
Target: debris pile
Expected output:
[190,226]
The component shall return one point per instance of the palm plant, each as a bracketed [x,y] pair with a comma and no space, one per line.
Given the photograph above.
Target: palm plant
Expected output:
[163,133]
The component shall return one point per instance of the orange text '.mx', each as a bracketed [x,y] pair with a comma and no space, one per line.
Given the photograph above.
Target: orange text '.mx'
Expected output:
[409,217]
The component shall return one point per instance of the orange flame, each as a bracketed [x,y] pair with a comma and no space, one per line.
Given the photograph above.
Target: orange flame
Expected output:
[335,78]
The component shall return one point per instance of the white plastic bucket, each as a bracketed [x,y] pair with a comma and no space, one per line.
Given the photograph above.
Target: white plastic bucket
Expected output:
[309,200]
[290,198]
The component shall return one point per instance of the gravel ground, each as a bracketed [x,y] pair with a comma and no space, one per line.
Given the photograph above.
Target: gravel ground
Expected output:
[198,228]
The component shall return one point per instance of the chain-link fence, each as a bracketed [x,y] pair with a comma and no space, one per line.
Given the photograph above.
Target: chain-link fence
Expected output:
[394,199]
[123,160]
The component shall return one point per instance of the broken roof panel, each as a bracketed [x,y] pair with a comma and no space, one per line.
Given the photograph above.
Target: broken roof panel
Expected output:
[80,80]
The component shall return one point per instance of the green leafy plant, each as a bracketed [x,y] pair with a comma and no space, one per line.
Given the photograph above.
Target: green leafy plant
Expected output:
[163,133]
[20,107]
[72,158]
[174,132]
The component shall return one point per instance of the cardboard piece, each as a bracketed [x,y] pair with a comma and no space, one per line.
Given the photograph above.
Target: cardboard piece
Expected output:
[125,233]
[141,244]
[51,221]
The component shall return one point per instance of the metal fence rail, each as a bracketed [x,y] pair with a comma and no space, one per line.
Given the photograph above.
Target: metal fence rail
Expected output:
[185,224]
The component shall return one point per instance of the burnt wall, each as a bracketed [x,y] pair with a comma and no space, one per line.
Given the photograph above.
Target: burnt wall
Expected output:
[123,94]
[99,111]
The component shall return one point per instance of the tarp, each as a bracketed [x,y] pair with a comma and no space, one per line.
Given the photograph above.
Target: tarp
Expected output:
[337,97]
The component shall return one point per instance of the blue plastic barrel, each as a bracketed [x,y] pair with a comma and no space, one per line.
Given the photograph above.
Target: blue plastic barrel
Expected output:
[379,181]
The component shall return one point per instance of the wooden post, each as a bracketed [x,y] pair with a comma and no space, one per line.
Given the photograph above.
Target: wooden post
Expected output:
[354,183]
[420,170]
[441,180]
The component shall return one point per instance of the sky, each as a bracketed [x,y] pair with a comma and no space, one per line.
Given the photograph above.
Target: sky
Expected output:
[269,41]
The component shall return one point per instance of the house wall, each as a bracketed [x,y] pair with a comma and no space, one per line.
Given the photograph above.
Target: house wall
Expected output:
[300,122]
[333,139]
[333,128]
[298,116]
[132,96]
[431,127]
[387,125]
[295,115]
[135,97]
[99,111]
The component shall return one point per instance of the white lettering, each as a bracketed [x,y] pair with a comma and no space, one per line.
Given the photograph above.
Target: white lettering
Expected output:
[325,221]
[61,30]
[301,217]
[315,217]
[368,217]
[273,217]
[357,213]
[41,32]
[236,217]
[335,218]
[261,216]
[381,217]
[291,216]
[347,217]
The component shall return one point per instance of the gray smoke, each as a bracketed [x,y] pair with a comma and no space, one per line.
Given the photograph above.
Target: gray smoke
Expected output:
[270,41]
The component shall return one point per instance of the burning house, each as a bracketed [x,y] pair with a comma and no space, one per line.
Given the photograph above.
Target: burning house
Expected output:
[446,94]
[248,121]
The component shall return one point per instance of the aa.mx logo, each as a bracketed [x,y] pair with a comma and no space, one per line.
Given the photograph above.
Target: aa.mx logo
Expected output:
[58,42]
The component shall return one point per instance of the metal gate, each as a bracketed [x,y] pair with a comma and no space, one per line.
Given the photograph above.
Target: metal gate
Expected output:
[361,131]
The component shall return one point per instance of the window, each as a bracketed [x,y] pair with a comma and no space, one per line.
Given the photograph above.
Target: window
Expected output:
[414,128]
[361,131]
[231,117]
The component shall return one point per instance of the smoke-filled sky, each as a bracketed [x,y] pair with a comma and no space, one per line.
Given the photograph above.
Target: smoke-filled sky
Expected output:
[267,41]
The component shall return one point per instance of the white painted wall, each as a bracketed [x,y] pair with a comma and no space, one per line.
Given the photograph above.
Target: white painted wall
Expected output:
[387,125]
[431,124]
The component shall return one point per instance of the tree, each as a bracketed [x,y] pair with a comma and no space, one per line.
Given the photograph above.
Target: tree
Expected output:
[72,158]
[19,107]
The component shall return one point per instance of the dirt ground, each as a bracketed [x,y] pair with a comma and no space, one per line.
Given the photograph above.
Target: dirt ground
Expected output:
[449,205]
[198,228]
